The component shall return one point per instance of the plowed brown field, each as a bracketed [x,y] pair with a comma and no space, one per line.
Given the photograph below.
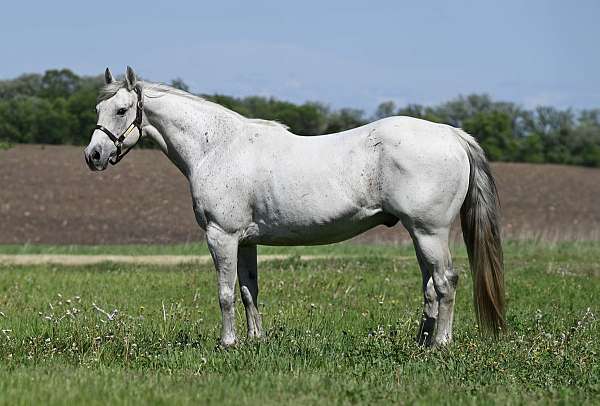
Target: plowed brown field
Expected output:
[47,195]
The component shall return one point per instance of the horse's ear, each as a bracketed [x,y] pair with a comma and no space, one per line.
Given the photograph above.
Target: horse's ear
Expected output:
[108,77]
[130,78]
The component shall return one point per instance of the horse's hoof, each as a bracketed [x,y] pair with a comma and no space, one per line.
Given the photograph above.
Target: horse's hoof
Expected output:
[256,337]
[228,342]
[441,342]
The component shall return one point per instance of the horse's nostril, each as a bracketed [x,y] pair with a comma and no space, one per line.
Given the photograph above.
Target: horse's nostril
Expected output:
[96,156]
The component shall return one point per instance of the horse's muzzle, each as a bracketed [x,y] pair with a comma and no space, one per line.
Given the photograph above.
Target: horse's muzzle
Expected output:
[95,159]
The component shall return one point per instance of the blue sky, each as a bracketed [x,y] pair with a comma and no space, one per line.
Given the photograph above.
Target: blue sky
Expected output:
[342,52]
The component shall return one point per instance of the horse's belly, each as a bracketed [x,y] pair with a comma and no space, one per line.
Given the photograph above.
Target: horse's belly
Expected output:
[315,232]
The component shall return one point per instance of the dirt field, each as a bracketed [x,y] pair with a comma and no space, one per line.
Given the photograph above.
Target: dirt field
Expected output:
[47,195]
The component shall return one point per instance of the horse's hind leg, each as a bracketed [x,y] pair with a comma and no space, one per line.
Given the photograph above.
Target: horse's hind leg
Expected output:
[439,284]
[248,277]
[430,303]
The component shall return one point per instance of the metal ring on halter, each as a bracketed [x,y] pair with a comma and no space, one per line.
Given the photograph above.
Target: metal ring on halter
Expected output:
[137,123]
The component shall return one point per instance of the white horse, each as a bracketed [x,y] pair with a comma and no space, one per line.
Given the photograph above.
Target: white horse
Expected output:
[253,182]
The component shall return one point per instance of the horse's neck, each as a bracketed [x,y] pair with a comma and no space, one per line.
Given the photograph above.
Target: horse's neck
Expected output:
[188,130]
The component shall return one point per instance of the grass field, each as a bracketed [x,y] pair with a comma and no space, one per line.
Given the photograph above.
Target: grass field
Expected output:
[339,331]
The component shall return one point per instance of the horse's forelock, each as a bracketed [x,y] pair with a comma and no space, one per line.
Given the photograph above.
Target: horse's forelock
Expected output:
[110,89]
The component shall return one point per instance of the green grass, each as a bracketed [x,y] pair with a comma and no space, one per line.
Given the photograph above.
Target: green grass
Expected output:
[514,247]
[338,331]
[201,249]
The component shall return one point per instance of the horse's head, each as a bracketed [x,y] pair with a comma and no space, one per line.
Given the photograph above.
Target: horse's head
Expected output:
[119,127]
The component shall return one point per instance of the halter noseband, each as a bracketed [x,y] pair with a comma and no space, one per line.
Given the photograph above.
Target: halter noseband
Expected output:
[137,123]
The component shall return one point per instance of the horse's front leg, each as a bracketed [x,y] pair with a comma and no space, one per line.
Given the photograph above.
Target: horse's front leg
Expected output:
[223,247]
[247,273]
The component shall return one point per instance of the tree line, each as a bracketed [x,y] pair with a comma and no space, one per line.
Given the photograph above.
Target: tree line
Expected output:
[57,107]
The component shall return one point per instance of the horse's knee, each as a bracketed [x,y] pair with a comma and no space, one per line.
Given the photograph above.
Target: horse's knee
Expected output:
[445,282]
[452,277]
[226,298]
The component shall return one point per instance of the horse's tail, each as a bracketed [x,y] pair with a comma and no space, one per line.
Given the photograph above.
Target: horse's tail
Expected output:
[479,216]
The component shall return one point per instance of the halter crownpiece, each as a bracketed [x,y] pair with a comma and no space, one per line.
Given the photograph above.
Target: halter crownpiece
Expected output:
[137,123]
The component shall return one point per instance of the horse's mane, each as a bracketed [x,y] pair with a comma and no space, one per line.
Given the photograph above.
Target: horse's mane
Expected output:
[110,89]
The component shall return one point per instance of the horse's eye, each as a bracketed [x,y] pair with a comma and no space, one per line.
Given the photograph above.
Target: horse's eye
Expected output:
[121,112]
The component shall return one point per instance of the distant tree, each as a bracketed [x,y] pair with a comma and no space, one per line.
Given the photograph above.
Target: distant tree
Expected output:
[517,115]
[590,118]
[35,120]
[456,111]
[412,110]
[385,109]
[546,120]
[555,129]
[493,130]
[584,140]
[345,119]
[306,119]
[59,83]
[531,149]
[232,103]
[178,83]
[24,85]
[317,118]
[81,107]
[422,112]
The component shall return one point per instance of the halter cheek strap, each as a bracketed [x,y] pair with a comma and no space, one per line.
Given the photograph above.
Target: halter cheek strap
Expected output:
[137,123]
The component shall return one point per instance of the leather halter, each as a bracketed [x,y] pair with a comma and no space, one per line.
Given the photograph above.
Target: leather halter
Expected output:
[137,123]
